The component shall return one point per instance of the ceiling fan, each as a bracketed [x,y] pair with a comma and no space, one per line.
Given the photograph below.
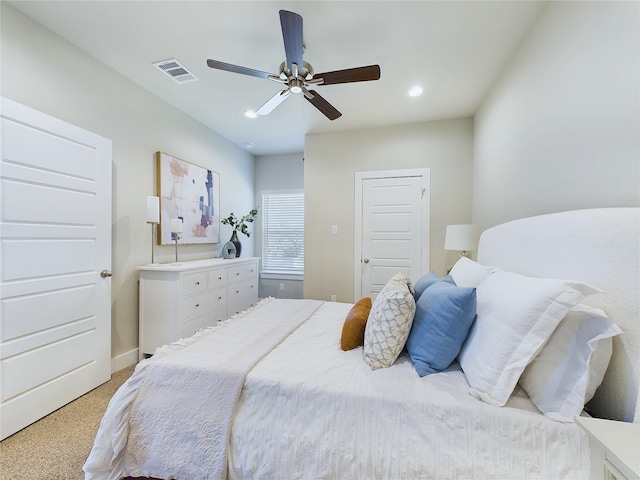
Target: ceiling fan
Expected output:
[297,74]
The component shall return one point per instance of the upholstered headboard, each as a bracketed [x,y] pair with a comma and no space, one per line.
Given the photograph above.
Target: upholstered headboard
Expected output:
[600,247]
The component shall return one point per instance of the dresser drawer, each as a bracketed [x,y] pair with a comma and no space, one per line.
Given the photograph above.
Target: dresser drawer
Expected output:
[242,296]
[195,282]
[203,302]
[218,278]
[240,306]
[242,273]
[243,290]
[192,325]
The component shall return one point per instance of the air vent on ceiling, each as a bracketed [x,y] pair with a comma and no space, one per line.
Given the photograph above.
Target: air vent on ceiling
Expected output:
[176,71]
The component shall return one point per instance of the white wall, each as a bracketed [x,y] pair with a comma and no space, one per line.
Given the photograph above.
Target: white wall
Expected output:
[44,72]
[331,161]
[277,172]
[561,128]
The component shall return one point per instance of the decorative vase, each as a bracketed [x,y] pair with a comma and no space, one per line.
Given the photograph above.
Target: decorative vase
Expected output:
[236,242]
[229,250]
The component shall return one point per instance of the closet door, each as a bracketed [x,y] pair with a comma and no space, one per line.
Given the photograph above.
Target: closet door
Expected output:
[391,228]
[55,240]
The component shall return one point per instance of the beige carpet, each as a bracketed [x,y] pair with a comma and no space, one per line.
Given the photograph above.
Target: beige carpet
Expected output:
[57,446]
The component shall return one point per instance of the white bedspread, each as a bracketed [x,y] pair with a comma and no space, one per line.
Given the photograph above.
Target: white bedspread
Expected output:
[309,410]
[331,417]
[172,418]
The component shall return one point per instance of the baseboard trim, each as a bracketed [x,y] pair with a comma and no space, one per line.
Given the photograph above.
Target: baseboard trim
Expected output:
[124,360]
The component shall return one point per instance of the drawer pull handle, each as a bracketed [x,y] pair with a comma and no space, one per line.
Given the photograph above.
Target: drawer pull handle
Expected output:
[219,278]
[197,283]
[237,291]
[219,298]
[197,305]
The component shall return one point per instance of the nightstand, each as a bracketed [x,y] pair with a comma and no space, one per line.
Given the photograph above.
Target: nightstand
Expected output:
[615,448]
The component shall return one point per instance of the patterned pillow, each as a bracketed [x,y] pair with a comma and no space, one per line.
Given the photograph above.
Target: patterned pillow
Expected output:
[389,322]
[354,325]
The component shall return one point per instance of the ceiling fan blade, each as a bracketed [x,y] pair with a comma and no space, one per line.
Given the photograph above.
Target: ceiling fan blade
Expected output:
[273,102]
[358,74]
[321,104]
[237,69]
[291,24]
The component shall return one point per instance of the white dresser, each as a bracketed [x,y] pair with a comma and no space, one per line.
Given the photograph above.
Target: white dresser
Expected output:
[178,299]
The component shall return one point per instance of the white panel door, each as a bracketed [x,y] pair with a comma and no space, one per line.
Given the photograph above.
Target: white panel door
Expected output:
[391,228]
[55,240]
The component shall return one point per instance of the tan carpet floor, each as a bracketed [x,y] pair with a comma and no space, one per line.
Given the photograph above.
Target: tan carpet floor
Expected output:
[56,447]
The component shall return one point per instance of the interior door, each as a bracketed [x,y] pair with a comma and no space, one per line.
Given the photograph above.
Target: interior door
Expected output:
[392,228]
[55,240]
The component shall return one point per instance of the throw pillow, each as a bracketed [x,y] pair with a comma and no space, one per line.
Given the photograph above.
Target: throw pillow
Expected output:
[564,376]
[389,322]
[444,314]
[467,273]
[516,316]
[426,281]
[354,325]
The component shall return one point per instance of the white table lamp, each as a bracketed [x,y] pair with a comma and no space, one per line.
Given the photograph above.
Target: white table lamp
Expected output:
[462,238]
[153,218]
[176,228]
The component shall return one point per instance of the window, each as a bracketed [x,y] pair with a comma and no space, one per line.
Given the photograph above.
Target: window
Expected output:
[283,232]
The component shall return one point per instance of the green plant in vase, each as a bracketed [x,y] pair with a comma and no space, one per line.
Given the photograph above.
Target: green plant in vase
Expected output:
[240,225]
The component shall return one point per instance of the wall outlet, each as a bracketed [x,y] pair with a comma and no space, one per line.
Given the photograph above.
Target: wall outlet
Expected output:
[334,298]
[334,229]
[281,287]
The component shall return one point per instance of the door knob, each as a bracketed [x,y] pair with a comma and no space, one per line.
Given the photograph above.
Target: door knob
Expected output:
[105,273]
[366,260]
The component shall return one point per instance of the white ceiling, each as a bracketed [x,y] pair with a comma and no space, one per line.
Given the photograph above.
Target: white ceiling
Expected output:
[454,49]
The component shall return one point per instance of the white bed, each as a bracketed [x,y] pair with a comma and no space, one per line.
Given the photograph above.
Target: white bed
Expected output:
[300,407]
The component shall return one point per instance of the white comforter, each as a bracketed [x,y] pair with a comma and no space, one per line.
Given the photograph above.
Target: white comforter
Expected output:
[310,410]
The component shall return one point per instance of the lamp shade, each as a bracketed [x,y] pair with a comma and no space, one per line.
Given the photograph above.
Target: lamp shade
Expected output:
[176,225]
[153,209]
[461,237]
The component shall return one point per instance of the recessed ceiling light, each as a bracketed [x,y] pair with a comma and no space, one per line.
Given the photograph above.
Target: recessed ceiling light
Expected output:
[250,114]
[415,91]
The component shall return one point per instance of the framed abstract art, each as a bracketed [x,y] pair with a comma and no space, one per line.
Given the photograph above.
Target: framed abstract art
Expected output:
[191,194]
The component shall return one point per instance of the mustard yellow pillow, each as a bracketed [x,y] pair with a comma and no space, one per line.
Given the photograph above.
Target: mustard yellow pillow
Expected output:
[354,325]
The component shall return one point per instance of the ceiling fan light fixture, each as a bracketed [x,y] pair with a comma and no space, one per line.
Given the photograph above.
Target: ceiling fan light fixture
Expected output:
[250,114]
[296,85]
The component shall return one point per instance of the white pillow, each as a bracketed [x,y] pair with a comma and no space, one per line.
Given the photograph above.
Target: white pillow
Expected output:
[469,274]
[389,322]
[515,317]
[565,374]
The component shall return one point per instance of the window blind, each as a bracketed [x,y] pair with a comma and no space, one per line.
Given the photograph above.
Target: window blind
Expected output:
[283,232]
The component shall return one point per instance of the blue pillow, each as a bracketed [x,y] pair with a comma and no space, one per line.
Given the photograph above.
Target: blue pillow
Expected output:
[444,314]
[426,281]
